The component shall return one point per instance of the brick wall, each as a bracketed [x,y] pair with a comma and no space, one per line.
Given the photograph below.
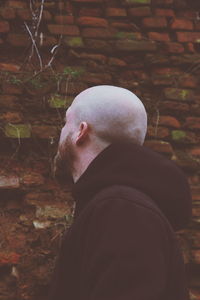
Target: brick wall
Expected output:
[148,46]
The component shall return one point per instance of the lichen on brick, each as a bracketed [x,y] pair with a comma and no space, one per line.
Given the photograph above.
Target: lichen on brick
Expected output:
[138,1]
[18,130]
[178,135]
[74,42]
[57,101]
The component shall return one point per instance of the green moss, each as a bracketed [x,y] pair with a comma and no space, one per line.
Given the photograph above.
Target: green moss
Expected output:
[127,35]
[74,42]
[57,101]
[178,135]
[18,130]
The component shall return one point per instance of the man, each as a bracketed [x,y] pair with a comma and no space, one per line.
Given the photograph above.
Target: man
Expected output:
[129,201]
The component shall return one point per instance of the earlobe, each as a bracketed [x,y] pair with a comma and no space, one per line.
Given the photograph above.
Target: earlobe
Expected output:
[83,133]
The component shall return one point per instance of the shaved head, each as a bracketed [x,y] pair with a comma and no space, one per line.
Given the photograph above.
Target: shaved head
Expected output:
[98,117]
[113,113]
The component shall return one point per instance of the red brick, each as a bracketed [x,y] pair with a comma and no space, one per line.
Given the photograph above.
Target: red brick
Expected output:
[187,14]
[140,11]
[48,41]
[96,57]
[196,256]
[182,24]
[188,81]
[9,67]
[9,182]
[155,22]
[8,101]
[24,14]
[69,8]
[64,19]
[195,152]
[123,26]
[163,2]
[167,121]
[7,13]
[71,30]
[116,12]
[164,12]
[96,33]
[157,132]
[46,15]
[90,12]
[88,1]
[161,37]
[16,4]
[4,26]
[193,123]
[74,88]
[97,78]
[179,94]
[175,106]
[18,40]
[174,47]
[159,146]
[113,61]
[190,47]
[188,37]
[12,117]
[92,21]
[9,258]
[13,89]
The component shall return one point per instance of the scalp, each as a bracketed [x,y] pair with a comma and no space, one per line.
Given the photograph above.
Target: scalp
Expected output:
[113,113]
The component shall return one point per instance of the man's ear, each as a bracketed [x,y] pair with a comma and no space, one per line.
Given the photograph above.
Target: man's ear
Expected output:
[83,133]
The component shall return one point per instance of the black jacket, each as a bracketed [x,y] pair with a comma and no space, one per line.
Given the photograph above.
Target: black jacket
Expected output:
[122,245]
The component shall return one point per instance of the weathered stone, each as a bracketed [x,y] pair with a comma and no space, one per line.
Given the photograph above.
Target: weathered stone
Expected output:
[18,131]
[74,42]
[9,182]
[131,45]
[32,179]
[58,211]
[179,94]
[57,101]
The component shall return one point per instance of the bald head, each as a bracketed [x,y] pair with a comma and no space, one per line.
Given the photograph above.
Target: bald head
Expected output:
[114,114]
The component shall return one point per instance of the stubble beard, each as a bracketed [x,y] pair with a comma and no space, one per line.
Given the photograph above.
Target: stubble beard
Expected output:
[64,162]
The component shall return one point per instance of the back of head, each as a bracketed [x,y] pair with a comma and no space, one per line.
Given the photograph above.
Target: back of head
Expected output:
[114,114]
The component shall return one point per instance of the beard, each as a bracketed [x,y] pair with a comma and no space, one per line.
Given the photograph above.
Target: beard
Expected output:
[63,165]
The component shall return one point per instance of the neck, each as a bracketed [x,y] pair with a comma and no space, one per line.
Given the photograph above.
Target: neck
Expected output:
[83,160]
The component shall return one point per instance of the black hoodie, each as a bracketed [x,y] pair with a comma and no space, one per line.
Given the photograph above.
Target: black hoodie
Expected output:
[122,245]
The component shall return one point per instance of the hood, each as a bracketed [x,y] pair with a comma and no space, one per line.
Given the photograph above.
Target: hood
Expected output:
[141,168]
